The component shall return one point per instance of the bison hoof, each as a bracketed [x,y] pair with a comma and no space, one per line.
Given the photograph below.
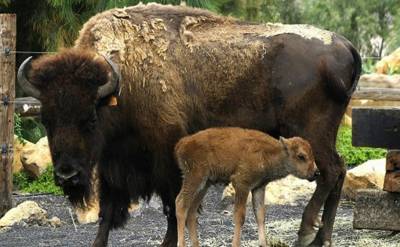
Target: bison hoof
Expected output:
[327,243]
[169,244]
[305,239]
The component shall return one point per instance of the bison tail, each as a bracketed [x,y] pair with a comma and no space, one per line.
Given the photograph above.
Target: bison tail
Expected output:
[336,87]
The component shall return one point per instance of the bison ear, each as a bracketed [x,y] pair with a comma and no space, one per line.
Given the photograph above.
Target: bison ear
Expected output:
[284,143]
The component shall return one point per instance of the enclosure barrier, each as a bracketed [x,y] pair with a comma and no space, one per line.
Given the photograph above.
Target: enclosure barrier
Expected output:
[379,127]
[8,32]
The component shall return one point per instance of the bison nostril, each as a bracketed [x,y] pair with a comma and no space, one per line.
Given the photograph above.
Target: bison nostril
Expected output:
[66,175]
[75,180]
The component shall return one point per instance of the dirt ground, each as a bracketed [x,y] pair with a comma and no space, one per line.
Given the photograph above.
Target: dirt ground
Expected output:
[147,226]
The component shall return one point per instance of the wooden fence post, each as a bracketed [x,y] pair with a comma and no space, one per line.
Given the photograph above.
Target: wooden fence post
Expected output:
[7,95]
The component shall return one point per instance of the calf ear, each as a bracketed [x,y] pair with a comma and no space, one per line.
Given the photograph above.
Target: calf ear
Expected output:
[284,144]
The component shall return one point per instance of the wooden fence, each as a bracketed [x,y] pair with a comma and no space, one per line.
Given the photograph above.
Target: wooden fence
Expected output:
[8,32]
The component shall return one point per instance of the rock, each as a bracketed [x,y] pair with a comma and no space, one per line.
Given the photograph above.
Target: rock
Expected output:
[369,175]
[36,159]
[18,148]
[389,63]
[392,176]
[55,221]
[284,191]
[377,209]
[27,212]
[289,190]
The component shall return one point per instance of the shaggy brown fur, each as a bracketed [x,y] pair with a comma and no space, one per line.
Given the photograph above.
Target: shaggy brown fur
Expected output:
[249,159]
[184,70]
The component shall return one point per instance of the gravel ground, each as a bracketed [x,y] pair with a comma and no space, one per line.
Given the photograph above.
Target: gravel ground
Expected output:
[147,226]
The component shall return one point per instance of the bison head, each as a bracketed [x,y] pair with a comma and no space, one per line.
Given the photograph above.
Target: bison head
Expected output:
[73,86]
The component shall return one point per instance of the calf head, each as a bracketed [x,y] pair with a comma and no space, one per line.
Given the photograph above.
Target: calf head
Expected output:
[300,158]
[71,86]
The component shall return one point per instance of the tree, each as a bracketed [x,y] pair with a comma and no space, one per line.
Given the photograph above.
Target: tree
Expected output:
[359,20]
[50,24]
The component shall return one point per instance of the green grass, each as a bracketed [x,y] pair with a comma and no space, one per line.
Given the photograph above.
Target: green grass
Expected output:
[354,156]
[44,184]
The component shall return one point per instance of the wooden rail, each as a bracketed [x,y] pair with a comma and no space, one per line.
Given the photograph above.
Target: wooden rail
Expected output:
[372,93]
[27,106]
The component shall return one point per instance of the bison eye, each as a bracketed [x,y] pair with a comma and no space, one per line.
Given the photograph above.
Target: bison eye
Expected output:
[88,125]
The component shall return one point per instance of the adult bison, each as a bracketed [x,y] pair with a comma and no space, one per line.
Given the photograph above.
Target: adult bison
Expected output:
[183,70]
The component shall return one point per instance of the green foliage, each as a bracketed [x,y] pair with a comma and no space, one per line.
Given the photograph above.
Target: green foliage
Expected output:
[32,129]
[44,184]
[368,66]
[18,127]
[360,21]
[28,128]
[4,2]
[354,156]
[393,70]
[50,24]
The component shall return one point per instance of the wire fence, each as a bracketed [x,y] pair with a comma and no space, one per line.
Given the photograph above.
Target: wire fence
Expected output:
[6,51]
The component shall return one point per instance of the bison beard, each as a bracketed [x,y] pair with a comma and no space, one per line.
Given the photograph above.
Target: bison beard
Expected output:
[184,70]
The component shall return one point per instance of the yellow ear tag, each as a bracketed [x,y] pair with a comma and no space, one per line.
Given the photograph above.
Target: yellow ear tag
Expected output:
[113,101]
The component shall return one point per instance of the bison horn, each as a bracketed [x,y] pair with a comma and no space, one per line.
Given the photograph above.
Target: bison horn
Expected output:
[23,81]
[113,84]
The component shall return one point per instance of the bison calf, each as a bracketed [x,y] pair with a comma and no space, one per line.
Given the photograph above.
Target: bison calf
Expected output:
[249,159]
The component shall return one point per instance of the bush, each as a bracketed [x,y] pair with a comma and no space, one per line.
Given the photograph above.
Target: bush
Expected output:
[44,184]
[18,127]
[28,128]
[354,156]
[32,129]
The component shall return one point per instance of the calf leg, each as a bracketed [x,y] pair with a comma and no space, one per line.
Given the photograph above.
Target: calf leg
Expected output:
[191,221]
[258,196]
[239,214]
[191,184]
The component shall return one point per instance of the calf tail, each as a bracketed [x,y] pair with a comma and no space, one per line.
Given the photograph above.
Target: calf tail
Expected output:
[336,87]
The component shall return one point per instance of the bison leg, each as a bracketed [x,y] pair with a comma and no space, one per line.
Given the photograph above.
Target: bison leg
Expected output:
[331,170]
[104,228]
[168,199]
[114,205]
[328,217]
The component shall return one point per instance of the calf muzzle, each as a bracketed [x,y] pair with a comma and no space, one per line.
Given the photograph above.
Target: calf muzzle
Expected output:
[314,176]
